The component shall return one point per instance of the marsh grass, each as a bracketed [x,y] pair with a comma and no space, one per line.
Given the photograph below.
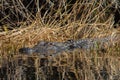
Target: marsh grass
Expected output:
[83,20]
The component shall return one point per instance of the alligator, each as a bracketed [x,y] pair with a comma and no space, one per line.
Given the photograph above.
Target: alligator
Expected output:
[51,48]
[45,48]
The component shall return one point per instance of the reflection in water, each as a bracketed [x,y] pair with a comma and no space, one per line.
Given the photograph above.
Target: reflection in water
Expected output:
[64,67]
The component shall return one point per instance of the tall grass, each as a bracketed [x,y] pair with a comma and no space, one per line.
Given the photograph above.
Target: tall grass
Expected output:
[60,22]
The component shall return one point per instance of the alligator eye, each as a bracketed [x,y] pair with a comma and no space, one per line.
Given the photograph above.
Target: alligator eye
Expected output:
[71,47]
[70,40]
[50,44]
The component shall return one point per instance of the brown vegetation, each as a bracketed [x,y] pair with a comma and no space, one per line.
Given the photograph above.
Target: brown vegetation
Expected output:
[85,20]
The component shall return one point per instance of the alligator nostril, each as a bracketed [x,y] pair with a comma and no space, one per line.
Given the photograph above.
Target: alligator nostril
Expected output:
[21,50]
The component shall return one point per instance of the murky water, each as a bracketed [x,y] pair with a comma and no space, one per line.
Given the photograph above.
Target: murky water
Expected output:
[63,67]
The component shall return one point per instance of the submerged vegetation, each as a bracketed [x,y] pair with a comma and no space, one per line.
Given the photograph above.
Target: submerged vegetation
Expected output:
[24,24]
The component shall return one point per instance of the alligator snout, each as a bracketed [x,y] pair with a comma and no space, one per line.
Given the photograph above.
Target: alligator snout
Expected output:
[26,50]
